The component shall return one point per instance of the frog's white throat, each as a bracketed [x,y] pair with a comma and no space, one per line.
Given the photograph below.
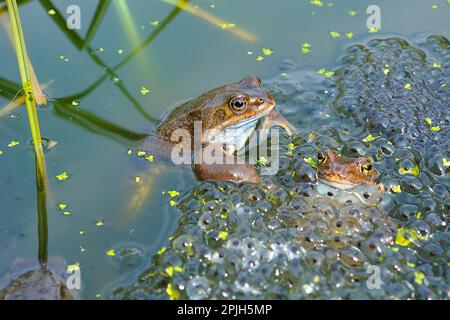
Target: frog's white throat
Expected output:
[233,135]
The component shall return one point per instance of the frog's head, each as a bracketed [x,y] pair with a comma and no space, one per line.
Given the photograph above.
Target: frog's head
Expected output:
[345,173]
[231,112]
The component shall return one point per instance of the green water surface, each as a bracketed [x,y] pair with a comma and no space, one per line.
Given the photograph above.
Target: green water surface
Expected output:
[96,109]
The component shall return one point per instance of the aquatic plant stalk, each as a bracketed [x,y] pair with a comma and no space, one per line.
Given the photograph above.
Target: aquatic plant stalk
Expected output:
[41,202]
[30,102]
[27,85]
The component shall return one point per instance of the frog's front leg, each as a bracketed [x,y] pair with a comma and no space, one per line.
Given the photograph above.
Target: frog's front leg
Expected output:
[231,169]
[274,118]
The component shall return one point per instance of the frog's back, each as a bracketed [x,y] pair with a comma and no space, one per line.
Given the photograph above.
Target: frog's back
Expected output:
[188,109]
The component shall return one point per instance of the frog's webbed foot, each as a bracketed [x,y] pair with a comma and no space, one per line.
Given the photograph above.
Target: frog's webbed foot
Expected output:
[230,170]
[274,118]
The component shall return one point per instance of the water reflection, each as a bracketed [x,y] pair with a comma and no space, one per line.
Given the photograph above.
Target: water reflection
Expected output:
[84,119]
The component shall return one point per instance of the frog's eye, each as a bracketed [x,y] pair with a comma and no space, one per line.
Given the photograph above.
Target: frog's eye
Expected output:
[238,104]
[321,158]
[366,168]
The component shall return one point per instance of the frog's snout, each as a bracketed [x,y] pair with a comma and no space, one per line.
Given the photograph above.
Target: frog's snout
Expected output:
[259,101]
[271,98]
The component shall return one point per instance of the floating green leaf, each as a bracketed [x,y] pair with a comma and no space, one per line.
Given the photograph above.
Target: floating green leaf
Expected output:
[266,52]
[262,160]
[335,34]
[445,162]
[172,292]
[71,268]
[170,270]
[223,235]
[305,48]
[405,237]
[316,3]
[311,162]
[413,171]
[370,138]
[161,251]
[435,128]
[62,176]
[418,277]
[227,25]
[144,91]
[173,193]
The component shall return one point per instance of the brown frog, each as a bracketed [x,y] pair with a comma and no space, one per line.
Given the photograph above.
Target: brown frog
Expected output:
[345,173]
[226,117]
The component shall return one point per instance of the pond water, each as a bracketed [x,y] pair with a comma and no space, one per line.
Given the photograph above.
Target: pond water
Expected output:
[111,81]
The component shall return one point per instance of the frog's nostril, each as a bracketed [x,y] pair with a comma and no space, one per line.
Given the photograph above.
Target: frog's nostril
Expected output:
[271,97]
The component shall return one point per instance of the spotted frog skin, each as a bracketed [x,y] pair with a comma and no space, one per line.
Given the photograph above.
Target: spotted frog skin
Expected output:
[236,109]
[345,173]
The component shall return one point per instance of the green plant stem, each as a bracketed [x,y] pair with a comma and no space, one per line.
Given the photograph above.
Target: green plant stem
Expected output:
[27,86]
[25,75]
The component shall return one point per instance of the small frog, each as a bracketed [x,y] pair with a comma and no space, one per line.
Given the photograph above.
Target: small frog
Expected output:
[345,173]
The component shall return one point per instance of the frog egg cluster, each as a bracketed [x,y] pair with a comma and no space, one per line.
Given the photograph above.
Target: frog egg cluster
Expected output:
[292,238]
